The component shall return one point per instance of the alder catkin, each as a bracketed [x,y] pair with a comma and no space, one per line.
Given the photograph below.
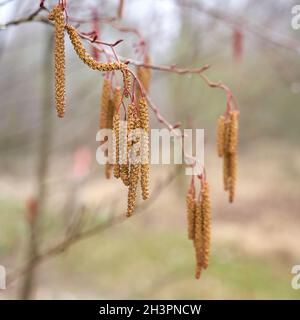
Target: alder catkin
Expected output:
[220,136]
[132,123]
[126,81]
[109,125]
[233,132]
[206,224]
[227,148]
[198,241]
[144,76]
[116,131]
[57,15]
[104,103]
[190,207]
[233,175]
[145,166]
[87,58]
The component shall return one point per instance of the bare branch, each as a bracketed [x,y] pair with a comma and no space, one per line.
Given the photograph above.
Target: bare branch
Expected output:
[64,244]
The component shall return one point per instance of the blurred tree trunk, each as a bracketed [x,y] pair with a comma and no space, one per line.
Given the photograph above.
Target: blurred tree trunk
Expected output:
[43,152]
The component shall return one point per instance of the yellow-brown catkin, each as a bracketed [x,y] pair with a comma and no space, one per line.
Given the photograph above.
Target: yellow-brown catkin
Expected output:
[226,169]
[233,176]
[104,103]
[233,132]
[124,167]
[87,58]
[109,125]
[144,75]
[220,136]
[198,238]
[190,207]
[126,81]
[116,131]
[145,166]
[57,16]
[206,224]
[132,124]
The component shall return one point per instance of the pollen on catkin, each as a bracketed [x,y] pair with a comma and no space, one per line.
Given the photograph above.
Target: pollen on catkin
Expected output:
[126,81]
[109,125]
[134,163]
[57,15]
[227,148]
[87,58]
[190,207]
[144,76]
[198,241]
[116,131]
[220,136]
[145,166]
[104,103]
[206,223]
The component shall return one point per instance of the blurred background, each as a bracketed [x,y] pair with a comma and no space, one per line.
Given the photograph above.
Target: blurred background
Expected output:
[49,171]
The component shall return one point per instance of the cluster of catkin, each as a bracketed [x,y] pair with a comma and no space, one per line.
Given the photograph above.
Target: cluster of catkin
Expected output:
[199,225]
[227,141]
[58,17]
[131,151]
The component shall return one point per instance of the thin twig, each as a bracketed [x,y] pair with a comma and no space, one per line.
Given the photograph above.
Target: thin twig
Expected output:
[64,244]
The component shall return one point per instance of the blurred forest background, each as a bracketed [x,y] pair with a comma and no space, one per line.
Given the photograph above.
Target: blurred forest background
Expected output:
[252,48]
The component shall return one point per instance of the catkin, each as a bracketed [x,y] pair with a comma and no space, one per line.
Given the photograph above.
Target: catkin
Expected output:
[206,224]
[87,58]
[198,241]
[126,81]
[104,104]
[132,124]
[233,175]
[190,205]
[220,136]
[144,76]
[57,16]
[233,132]
[116,131]
[109,125]
[227,141]
[145,167]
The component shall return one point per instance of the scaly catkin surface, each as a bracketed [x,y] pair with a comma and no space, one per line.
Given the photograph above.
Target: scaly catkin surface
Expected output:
[134,173]
[145,166]
[116,131]
[206,224]
[220,136]
[87,58]
[190,208]
[60,79]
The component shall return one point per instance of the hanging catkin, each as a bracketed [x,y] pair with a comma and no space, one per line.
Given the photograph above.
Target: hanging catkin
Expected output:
[57,15]
[220,136]
[87,58]
[126,81]
[191,207]
[198,241]
[133,123]
[145,166]
[206,224]
[109,125]
[116,131]
[227,147]
[144,76]
[104,103]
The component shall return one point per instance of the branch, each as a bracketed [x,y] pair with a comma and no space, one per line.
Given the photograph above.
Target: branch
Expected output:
[64,244]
